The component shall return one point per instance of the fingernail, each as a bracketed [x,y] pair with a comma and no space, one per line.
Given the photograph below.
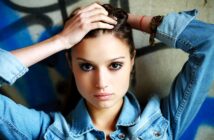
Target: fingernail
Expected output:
[115,18]
[111,26]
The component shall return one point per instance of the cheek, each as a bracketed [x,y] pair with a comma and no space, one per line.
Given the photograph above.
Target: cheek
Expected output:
[82,81]
[121,81]
[83,86]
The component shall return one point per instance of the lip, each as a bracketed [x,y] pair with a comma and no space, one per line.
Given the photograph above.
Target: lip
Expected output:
[103,96]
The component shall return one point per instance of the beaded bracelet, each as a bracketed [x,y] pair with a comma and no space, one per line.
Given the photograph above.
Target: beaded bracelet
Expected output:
[156,21]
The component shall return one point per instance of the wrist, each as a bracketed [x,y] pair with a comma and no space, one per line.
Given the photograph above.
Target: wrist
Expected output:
[140,22]
[62,42]
[145,23]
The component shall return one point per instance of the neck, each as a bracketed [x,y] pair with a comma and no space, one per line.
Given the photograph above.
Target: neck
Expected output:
[105,119]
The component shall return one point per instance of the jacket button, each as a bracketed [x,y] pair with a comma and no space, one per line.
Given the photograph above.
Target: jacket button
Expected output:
[121,136]
[156,133]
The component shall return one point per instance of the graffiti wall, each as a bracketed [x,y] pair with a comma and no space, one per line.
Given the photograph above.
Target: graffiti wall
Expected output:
[25,22]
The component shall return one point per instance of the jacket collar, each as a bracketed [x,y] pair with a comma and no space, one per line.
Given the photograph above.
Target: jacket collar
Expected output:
[130,111]
[81,122]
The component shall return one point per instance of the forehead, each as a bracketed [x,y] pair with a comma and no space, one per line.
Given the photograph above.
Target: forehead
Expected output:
[104,46]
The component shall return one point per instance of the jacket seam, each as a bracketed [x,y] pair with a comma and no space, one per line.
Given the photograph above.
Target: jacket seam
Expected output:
[13,128]
[16,76]
[148,122]
[187,91]
[56,132]
[166,36]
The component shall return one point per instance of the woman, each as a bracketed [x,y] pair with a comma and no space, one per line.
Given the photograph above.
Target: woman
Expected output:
[101,59]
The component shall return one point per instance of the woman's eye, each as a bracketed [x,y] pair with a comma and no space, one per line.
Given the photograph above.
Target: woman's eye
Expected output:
[86,67]
[116,65]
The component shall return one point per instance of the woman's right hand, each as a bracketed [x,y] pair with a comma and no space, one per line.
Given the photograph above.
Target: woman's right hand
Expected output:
[84,20]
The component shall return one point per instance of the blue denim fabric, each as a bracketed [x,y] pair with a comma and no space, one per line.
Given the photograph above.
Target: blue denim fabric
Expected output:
[162,119]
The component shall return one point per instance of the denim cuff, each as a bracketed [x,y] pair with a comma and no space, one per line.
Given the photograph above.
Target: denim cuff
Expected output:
[173,25]
[11,68]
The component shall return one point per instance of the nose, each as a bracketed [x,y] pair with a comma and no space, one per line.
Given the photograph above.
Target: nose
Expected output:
[101,79]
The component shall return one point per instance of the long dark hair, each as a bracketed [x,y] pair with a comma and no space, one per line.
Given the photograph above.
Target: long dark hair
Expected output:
[122,31]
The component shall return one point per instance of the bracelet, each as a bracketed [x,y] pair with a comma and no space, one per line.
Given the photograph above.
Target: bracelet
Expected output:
[156,21]
[140,23]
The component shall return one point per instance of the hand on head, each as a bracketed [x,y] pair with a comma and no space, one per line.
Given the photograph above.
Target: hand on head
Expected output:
[84,20]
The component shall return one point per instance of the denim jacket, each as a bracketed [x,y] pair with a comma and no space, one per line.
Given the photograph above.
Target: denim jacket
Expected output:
[163,119]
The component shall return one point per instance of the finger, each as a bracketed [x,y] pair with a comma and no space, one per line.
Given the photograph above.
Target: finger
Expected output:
[91,7]
[100,25]
[94,12]
[103,18]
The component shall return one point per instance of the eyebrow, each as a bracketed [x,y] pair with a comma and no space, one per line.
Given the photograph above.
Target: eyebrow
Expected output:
[83,59]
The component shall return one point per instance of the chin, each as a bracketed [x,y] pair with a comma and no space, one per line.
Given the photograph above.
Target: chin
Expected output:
[104,105]
[107,105]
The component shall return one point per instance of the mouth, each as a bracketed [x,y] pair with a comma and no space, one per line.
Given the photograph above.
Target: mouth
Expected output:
[103,96]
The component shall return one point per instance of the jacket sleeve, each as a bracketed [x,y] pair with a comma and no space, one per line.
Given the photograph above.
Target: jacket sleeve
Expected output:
[20,123]
[17,121]
[191,86]
[10,68]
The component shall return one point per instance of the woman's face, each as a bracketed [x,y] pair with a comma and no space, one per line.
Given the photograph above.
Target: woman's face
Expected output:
[102,67]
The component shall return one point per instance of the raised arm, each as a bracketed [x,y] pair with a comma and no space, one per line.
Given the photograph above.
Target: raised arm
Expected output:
[192,84]
[18,122]
[86,19]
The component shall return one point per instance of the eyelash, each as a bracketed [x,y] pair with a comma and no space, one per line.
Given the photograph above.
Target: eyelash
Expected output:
[120,64]
[83,67]
[89,67]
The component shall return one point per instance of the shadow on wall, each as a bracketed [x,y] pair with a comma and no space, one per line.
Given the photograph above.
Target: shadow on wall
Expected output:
[38,87]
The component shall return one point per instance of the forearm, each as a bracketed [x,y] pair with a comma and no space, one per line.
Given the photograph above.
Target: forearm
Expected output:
[74,31]
[192,84]
[140,22]
[35,53]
